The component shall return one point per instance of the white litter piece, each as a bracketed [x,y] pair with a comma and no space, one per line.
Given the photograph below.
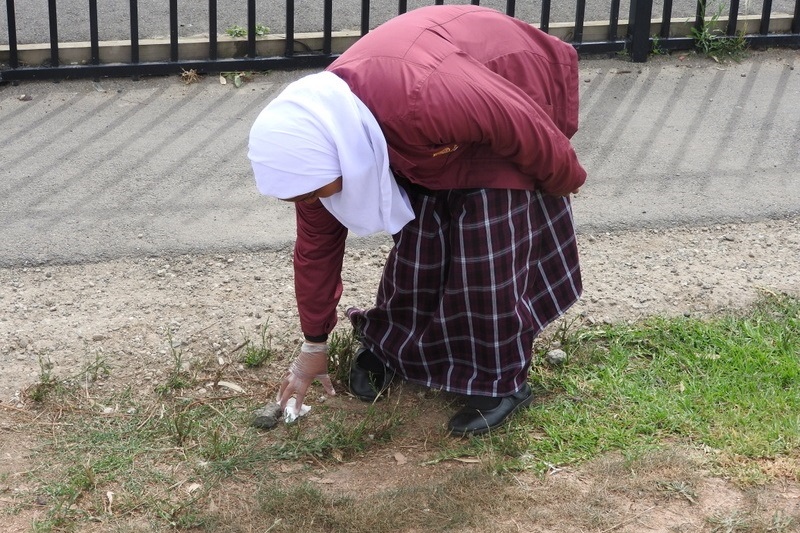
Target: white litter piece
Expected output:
[291,413]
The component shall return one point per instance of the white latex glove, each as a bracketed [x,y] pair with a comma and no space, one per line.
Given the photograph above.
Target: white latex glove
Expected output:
[310,364]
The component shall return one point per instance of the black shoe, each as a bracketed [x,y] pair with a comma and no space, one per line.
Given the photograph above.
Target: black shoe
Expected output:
[473,421]
[367,382]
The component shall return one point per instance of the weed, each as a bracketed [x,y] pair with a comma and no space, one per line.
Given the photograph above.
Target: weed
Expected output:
[656,49]
[679,488]
[729,523]
[95,370]
[256,356]
[341,349]
[779,523]
[47,382]
[238,31]
[179,378]
[189,76]
[184,425]
[237,78]
[712,42]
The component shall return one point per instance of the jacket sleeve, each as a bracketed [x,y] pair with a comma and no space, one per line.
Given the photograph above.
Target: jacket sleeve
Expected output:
[318,257]
[467,104]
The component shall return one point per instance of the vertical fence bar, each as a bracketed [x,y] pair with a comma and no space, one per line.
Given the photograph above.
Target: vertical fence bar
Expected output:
[700,18]
[475,2]
[545,24]
[402,7]
[94,33]
[13,59]
[327,23]
[666,19]
[134,31]
[173,30]
[212,30]
[251,28]
[438,2]
[364,17]
[796,20]
[51,10]
[766,11]
[511,7]
[639,29]
[289,28]
[613,21]
[733,18]
[580,15]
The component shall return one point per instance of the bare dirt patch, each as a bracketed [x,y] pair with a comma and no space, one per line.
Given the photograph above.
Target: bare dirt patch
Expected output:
[131,314]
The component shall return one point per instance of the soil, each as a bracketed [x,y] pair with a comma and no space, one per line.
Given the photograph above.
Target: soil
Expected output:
[132,313]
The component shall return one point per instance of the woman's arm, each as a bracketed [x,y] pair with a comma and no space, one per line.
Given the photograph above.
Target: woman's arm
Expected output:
[318,256]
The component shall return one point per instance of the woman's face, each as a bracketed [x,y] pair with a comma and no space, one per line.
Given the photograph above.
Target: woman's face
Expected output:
[323,192]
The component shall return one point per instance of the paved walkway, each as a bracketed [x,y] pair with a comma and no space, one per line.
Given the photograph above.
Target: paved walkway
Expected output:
[92,171]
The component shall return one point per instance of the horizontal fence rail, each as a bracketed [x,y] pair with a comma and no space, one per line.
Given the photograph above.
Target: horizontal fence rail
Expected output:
[638,35]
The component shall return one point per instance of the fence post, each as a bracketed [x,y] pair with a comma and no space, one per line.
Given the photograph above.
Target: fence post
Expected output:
[53,16]
[12,34]
[639,29]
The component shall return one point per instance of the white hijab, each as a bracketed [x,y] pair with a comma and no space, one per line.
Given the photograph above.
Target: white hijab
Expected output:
[317,130]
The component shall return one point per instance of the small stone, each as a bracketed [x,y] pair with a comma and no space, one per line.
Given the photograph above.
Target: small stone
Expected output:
[556,357]
[25,98]
[267,417]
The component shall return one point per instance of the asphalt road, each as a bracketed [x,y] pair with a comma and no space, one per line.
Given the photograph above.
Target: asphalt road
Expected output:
[94,171]
[114,15]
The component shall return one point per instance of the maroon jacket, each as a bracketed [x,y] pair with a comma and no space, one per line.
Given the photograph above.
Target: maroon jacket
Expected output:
[466,97]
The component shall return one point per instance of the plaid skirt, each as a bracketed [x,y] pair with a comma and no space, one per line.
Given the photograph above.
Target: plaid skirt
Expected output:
[469,284]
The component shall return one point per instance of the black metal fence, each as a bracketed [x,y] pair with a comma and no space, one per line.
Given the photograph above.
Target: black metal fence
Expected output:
[637,36]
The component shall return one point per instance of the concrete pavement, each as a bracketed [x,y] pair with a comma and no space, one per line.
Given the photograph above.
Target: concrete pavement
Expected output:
[92,171]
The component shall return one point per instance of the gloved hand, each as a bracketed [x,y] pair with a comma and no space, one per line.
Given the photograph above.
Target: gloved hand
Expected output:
[310,364]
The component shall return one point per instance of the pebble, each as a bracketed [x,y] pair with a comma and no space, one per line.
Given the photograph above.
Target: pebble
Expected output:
[556,357]
[267,417]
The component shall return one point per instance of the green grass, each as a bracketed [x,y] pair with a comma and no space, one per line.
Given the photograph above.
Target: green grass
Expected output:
[726,385]
[729,383]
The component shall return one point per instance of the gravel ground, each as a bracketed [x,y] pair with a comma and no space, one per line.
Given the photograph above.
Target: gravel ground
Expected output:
[132,315]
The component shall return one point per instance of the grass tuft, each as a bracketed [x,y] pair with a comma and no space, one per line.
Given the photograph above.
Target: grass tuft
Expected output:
[257,356]
[712,41]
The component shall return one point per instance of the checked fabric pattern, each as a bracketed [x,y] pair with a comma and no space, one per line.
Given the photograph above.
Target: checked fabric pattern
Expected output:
[468,286]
